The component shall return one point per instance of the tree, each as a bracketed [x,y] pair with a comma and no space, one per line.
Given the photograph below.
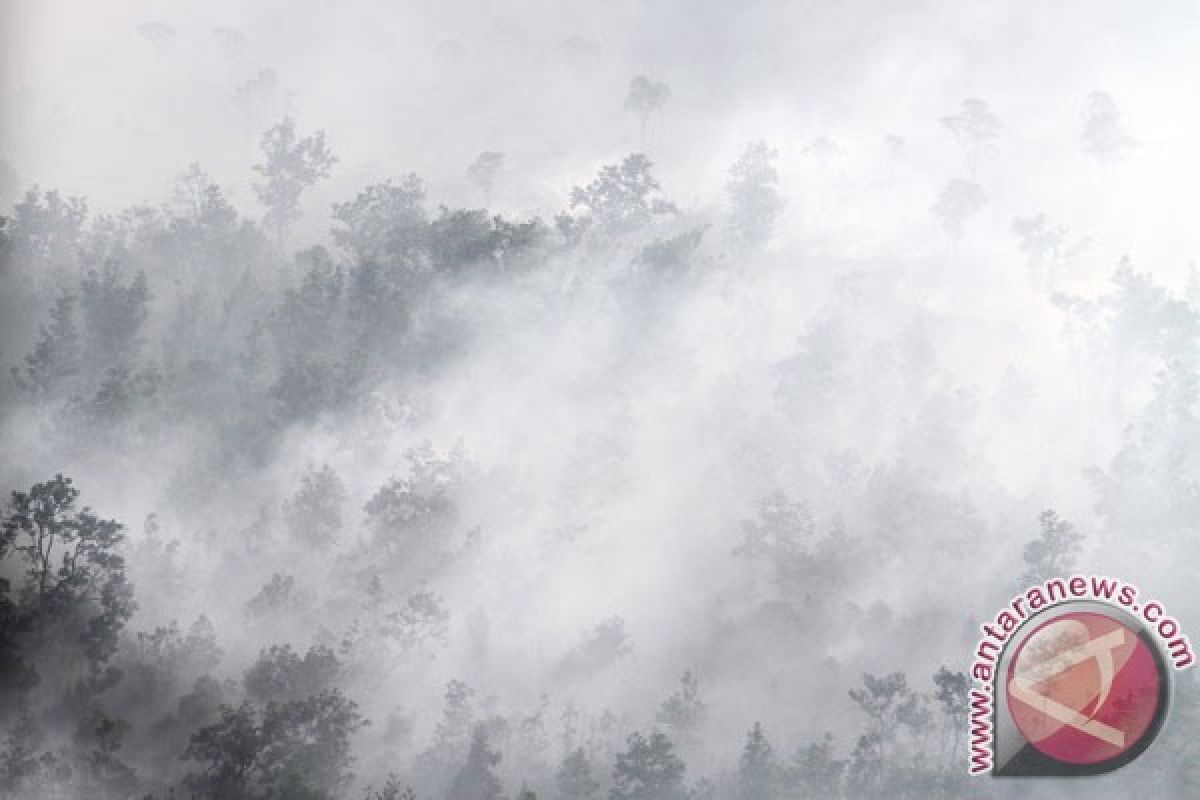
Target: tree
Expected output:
[385,223]
[784,536]
[414,516]
[753,197]
[418,620]
[648,770]
[113,310]
[1054,552]
[672,257]
[314,514]
[621,199]
[605,644]
[477,780]
[392,789]
[816,772]
[56,355]
[307,742]
[228,750]
[976,128]
[958,201]
[574,777]
[645,97]
[683,713]
[289,166]
[166,656]
[461,239]
[1039,240]
[952,698]
[884,701]
[103,774]
[280,674]
[21,768]
[451,735]
[66,581]
[1104,137]
[204,237]
[310,321]
[196,197]
[278,595]
[483,171]
[46,230]
[758,776]
[298,749]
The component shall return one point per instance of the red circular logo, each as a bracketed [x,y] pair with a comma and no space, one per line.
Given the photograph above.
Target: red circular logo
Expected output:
[1083,688]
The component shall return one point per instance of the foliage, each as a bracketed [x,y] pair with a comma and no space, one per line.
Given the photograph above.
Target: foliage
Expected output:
[648,769]
[1054,552]
[66,586]
[299,748]
[621,200]
[289,166]
[753,195]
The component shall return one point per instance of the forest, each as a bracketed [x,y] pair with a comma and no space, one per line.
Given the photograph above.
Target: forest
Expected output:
[649,495]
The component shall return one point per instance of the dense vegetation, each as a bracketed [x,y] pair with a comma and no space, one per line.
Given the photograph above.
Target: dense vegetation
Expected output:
[368,486]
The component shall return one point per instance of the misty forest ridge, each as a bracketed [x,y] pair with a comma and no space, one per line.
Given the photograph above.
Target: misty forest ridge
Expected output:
[576,404]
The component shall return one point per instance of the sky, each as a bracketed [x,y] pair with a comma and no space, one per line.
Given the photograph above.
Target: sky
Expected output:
[96,107]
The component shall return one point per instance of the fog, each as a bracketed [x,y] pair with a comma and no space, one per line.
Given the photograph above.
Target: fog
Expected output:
[761,375]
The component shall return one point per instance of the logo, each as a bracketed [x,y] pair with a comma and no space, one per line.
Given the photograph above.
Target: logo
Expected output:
[1072,678]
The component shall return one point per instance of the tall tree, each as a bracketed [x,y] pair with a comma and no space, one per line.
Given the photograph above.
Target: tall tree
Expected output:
[114,309]
[483,171]
[56,355]
[574,777]
[884,701]
[684,713]
[290,165]
[753,195]
[816,772]
[976,128]
[476,779]
[951,696]
[451,735]
[758,775]
[298,749]
[649,769]
[386,224]
[1054,552]
[958,201]
[66,587]
[1104,136]
[314,514]
[646,97]
[622,199]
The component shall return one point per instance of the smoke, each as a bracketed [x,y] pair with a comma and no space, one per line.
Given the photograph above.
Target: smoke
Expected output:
[550,468]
